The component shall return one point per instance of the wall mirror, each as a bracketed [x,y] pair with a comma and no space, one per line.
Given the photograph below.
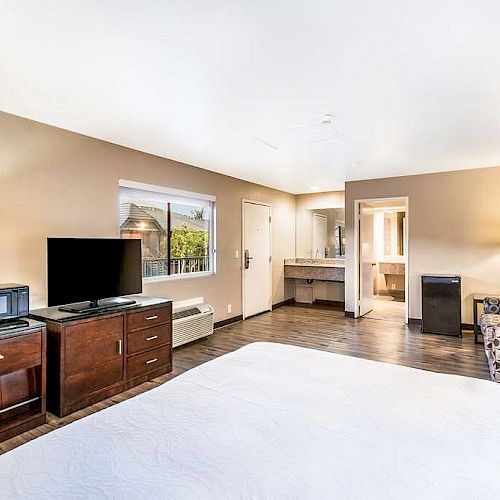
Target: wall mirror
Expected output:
[394,223]
[320,233]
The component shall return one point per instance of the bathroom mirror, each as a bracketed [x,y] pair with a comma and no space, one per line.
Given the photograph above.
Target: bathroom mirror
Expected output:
[320,233]
[394,233]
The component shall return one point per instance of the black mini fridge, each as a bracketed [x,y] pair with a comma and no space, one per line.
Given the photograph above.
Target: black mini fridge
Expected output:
[441,305]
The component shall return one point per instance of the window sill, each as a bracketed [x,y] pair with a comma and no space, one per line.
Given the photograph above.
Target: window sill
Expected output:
[174,277]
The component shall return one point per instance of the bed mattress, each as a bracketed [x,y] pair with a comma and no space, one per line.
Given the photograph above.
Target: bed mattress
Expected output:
[276,421]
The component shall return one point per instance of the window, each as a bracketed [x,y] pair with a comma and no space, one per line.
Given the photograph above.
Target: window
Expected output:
[176,228]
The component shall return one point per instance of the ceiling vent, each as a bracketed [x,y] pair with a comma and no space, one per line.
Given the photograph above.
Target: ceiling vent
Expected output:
[315,132]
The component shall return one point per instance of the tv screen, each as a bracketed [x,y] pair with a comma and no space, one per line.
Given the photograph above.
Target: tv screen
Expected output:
[89,269]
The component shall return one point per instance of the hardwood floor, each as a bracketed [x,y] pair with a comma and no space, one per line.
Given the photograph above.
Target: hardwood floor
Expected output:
[315,327]
[387,308]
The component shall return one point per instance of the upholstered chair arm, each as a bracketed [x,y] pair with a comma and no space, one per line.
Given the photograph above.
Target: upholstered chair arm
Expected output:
[491,305]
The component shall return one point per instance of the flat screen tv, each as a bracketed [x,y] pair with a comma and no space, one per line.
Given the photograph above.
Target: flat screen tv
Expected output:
[90,273]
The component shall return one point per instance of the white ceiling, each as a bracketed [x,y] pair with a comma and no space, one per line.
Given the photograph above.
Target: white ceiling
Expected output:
[413,86]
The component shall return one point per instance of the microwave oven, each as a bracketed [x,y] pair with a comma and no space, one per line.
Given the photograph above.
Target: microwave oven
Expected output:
[14,301]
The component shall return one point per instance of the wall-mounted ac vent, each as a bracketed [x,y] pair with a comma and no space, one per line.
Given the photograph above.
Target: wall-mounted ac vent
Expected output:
[192,323]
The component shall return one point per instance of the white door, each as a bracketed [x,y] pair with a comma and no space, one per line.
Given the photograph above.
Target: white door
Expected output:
[256,258]
[320,236]
[366,260]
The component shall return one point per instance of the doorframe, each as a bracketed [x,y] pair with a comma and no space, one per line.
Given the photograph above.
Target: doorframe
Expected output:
[357,260]
[242,252]
[316,214]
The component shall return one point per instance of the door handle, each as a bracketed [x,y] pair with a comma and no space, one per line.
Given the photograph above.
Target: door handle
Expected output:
[2,356]
[154,337]
[247,259]
[119,347]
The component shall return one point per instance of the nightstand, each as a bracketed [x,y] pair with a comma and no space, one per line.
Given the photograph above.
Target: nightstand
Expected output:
[22,377]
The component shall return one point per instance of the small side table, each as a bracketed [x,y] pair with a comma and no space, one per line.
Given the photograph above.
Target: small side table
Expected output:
[478,298]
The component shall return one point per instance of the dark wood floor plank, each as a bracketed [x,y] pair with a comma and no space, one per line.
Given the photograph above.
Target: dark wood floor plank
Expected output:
[318,328]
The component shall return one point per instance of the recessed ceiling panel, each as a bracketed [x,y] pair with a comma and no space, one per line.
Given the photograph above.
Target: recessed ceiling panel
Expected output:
[241,87]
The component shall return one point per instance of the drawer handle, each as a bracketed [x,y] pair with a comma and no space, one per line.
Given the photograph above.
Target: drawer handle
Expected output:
[2,356]
[119,347]
[154,337]
[151,361]
[150,318]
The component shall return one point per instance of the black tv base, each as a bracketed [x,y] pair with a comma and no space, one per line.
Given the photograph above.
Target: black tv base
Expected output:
[96,305]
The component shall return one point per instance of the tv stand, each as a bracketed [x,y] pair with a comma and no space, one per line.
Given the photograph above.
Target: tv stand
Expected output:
[97,305]
[93,356]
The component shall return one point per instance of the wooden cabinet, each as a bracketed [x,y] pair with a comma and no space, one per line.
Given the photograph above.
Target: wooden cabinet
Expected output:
[395,268]
[91,358]
[89,345]
[22,379]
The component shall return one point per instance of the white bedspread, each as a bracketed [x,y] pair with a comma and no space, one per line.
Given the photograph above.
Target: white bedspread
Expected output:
[276,421]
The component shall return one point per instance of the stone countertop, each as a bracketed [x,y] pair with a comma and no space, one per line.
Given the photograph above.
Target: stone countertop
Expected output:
[392,259]
[54,314]
[315,263]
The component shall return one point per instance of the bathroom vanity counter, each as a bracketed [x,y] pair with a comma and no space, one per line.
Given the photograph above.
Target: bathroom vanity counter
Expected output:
[315,262]
[387,267]
[315,269]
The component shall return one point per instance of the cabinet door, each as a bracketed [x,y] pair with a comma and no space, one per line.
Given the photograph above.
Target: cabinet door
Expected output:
[93,356]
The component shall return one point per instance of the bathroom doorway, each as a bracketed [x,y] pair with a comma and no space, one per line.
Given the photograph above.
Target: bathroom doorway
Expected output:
[382,263]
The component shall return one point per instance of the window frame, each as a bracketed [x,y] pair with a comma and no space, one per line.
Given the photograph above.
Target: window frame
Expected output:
[212,236]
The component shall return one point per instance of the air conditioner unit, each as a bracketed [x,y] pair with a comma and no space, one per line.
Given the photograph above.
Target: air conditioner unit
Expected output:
[191,323]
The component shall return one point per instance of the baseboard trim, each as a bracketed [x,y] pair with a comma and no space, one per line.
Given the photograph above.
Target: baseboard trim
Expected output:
[228,321]
[463,326]
[333,303]
[286,302]
[257,314]
[349,314]
[235,319]
[397,294]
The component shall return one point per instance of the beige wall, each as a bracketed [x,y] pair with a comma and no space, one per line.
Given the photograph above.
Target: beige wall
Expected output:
[454,227]
[57,183]
[329,199]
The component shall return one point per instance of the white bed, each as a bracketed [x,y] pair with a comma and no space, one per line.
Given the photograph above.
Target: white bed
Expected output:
[276,421]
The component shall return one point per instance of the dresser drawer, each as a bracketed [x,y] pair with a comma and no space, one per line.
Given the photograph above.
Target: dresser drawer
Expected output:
[148,318]
[19,353]
[140,364]
[142,340]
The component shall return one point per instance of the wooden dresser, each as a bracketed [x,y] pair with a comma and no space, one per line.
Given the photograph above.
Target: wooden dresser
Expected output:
[22,378]
[94,356]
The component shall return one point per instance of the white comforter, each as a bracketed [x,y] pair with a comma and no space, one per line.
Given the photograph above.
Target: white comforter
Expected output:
[276,421]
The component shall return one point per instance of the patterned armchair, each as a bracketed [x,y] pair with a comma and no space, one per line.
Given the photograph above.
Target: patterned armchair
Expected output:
[490,328]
